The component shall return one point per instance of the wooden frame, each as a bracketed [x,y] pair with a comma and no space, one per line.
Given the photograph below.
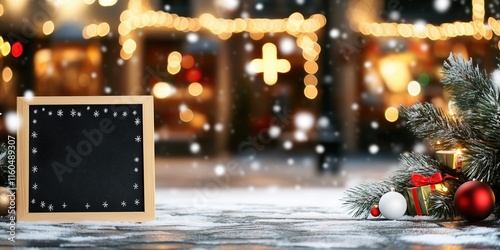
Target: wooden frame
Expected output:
[25,212]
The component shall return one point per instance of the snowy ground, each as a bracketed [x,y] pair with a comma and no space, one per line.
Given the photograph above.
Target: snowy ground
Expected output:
[270,214]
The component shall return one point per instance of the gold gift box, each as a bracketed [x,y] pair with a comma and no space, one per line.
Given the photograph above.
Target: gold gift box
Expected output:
[452,159]
[417,198]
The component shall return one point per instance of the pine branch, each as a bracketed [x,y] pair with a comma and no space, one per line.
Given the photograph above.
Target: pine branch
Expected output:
[475,96]
[432,124]
[359,200]
[441,205]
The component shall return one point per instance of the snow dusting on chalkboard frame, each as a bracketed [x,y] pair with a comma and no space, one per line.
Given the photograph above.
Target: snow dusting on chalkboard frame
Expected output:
[85,158]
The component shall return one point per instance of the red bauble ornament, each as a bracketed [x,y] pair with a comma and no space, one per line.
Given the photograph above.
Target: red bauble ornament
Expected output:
[474,200]
[375,211]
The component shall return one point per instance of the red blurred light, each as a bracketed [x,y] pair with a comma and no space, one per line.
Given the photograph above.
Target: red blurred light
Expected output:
[17,49]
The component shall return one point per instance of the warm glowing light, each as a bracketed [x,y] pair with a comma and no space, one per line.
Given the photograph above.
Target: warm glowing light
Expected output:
[310,91]
[163,90]
[129,46]
[89,2]
[186,115]
[7,74]
[1,9]
[310,80]
[174,62]
[48,28]
[444,189]
[107,3]
[414,88]
[5,48]
[187,61]
[395,72]
[103,29]
[391,114]
[270,65]
[311,67]
[195,89]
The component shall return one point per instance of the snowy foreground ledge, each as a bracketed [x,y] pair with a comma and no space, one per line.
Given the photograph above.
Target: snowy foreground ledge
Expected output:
[260,217]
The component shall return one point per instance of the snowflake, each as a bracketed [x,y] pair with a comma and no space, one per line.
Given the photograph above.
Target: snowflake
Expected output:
[34,169]
[50,113]
[124,114]
[96,113]
[136,186]
[105,110]
[115,114]
[34,150]
[105,204]
[33,201]
[137,202]
[43,109]
[136,170]
[137,121]
[64,205]
[79,114]
[136,159]
[73,113]
[88,108]
[134,112]
[35,186]
[34,121]
[42,204]
[34,134]
[138,138]
[87,205]
[124,204]
[60,113]
[35,111]
[51,207]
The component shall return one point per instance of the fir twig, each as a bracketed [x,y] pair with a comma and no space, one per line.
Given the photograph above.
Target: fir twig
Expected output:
[433,125]
[359,200]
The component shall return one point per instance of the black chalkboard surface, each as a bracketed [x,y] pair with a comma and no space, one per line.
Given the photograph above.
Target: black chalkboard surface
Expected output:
[86,158]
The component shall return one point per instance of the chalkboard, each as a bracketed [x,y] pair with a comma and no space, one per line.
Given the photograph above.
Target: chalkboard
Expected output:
[86,158]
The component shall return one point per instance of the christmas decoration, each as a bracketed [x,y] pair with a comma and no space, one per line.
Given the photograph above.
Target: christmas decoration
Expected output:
[417,197]
[4,201]
[375,211]
[392,205]
[468,137]
[474,200]
[452,159]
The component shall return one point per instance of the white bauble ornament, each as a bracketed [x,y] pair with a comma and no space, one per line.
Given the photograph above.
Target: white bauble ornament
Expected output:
[392,205]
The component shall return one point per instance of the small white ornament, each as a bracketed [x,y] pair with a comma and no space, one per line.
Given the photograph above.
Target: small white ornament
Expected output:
[392,205]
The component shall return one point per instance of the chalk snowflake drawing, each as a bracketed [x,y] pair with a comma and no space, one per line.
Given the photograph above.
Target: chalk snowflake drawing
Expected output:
[40,132]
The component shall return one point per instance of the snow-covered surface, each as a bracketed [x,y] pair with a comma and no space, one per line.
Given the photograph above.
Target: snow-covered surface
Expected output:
[269,217]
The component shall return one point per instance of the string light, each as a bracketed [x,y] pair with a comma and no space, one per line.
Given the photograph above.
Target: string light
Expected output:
[137,17]
[362,21]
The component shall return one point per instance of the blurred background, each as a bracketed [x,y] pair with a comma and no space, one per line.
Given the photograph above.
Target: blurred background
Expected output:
[281,92]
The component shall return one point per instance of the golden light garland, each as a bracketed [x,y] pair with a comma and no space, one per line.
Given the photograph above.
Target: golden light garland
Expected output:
[138,16]
[360,21]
